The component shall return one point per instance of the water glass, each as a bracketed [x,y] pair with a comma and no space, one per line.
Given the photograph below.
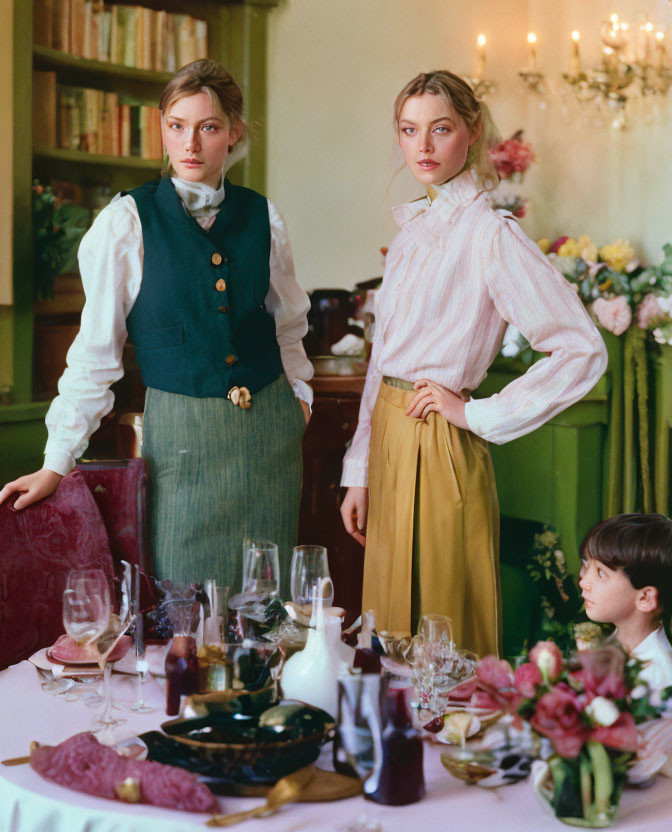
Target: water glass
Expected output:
[86,605]
[309,565]
[261,569]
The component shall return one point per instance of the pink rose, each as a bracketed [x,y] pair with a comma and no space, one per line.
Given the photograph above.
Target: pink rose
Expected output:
[558,717]
[557,244]
[622,734]
[526,678]
[495,672]
[648,310]
[548,658]
[601,672]
[614,314]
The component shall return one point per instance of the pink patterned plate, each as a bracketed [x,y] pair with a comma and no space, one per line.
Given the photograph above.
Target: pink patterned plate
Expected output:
[66,651]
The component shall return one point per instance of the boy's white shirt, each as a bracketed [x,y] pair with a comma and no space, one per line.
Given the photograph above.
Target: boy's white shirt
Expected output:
[655,755]
[655,651]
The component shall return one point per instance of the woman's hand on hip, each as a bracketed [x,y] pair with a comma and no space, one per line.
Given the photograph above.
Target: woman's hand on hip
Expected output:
[431,397]
[34,487]
[306,410]
[354,511]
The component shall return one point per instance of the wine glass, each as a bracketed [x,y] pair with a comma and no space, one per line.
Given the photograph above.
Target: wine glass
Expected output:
[261,569]
[309,564]
[86,605]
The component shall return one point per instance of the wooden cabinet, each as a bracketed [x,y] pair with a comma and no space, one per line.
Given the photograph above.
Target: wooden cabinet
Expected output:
[331,428]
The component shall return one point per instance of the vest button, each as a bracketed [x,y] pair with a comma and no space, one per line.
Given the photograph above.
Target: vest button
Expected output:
[223,309]
[231,359]
[216,258]
[220,285]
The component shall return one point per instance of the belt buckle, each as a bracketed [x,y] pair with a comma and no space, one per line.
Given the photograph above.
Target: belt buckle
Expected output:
[240,397]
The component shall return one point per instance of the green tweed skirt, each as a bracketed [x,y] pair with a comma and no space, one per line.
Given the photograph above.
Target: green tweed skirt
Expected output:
[218,475]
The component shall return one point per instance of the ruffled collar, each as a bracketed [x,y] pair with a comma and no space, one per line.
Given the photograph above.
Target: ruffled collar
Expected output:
[199,199]
[457,193]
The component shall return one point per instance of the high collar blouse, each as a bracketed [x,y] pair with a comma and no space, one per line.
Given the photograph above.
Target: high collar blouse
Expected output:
[456,275]
[110,262]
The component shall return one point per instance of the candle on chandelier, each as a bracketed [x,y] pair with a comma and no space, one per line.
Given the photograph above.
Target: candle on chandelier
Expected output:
[532,43]
[574,68]
[648,34]
[660,46]
[480,57]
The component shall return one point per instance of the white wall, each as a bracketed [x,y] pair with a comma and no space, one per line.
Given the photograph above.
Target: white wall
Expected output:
[596,180]
[335,68]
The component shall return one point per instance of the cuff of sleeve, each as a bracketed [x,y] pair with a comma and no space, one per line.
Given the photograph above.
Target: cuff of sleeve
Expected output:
[474,413]
[59,462]
[355,474]
[303,391]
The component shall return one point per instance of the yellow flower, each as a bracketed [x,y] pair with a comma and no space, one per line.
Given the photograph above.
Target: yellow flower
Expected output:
[570,248]
[617,254]
[544,244]
[589,253]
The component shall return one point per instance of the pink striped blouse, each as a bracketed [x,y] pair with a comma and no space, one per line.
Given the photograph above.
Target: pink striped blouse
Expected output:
[455,274]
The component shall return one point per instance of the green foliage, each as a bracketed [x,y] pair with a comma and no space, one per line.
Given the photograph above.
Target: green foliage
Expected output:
[560,594]
[58,228]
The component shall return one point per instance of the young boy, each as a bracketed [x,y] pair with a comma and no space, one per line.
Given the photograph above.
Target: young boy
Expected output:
[626,580]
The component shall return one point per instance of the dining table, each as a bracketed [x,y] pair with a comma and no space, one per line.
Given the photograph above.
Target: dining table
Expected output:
[29,803]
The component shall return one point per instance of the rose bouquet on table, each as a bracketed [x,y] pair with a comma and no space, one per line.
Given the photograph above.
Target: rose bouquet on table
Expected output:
[587,709]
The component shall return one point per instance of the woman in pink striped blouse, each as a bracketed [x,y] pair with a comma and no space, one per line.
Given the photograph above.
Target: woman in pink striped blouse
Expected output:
[421,490]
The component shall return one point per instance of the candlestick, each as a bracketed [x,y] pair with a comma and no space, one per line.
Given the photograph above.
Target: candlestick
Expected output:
[574,67]
[532,42]
[480,57]
[660,45]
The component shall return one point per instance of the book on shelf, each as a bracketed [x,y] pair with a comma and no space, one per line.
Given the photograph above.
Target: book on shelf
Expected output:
[133,36]
[98,122]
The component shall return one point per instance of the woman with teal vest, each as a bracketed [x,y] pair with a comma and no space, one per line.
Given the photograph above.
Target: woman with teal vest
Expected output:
[198,273]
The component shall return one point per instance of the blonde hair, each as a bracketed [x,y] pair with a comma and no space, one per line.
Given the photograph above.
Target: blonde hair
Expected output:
[211,78]
[459,96]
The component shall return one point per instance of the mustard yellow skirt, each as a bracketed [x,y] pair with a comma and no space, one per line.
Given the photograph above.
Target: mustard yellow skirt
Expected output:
[432,542]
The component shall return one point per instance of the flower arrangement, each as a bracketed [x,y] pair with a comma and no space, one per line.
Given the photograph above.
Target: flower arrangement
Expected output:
[511,158]
[58,227]
[615,286]
[588,709]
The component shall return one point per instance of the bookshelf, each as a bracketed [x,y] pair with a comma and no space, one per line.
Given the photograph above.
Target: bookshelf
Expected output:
[236,38]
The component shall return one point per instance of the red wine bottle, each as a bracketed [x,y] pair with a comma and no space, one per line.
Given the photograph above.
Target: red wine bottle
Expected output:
[397,777]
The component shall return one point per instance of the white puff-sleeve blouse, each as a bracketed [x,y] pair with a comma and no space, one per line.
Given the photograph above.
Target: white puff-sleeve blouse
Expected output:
[455,275]
[110,261]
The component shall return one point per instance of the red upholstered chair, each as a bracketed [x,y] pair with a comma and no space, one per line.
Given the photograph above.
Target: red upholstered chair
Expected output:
[95,518]
[119,487]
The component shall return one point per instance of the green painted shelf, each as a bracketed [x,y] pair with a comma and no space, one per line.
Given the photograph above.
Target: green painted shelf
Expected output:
[45,58]
[43,151]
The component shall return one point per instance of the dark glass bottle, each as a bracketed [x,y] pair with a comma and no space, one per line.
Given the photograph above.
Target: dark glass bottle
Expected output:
[397,777]
[181,672]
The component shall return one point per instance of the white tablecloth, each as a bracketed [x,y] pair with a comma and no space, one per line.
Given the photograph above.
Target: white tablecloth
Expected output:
[30,804]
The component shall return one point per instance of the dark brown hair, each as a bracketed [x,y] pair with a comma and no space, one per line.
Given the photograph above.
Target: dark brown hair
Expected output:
[640,545]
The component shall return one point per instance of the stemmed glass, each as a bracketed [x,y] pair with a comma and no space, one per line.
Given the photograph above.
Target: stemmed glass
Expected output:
[141,666]
[261,569]
[86,605]
[309,565]
[86,612]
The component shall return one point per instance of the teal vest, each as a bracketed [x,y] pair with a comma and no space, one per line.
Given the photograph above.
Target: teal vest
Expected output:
[199,324]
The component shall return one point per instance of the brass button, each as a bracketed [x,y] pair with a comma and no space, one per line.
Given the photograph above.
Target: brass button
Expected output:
[216,258]
[220,285]
[231,359]
[223,309]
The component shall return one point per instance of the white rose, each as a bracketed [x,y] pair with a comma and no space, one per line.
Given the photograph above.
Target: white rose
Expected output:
[603,711]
